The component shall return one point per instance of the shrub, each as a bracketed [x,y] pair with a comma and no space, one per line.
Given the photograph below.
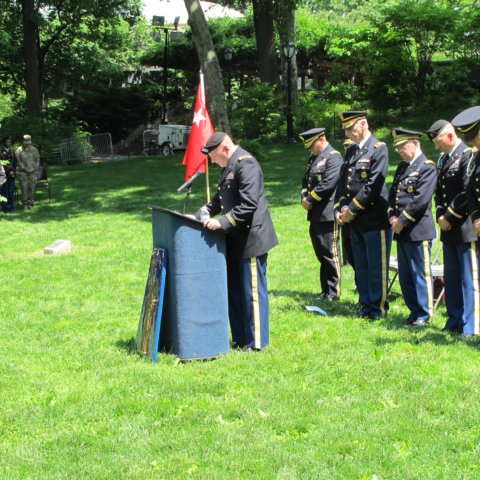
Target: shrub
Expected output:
[46,134]
[258,114]
[314,111]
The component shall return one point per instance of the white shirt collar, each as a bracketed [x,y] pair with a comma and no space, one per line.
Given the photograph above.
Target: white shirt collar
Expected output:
[362,143]
[455,147]
[415,157]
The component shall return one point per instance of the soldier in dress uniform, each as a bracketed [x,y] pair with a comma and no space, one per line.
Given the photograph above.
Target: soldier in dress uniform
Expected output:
[3,176]
[361,201]
[457,235]
[318,188]
[250,234]
[410,215]
[8,188]
[347,254]
[28,163]
[468,124]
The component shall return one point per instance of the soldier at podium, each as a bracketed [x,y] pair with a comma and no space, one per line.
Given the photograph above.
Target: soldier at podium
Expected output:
[250,234]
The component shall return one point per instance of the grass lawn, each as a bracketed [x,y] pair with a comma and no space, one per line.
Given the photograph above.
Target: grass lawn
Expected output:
[333,397]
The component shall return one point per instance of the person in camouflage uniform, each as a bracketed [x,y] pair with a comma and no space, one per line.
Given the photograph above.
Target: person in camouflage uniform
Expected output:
[28,163]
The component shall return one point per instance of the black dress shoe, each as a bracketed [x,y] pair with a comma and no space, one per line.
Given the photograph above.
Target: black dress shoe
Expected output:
[408,321]
[450,330]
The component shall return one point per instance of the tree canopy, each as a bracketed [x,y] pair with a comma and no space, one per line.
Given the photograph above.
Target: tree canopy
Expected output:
[381,54]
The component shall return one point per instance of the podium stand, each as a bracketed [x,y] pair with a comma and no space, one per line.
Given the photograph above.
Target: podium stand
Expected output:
[195,320]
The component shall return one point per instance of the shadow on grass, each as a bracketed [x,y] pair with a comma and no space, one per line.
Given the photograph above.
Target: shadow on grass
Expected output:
[115,187]
[430,333]
[131,186]
[127,345]
[344,308]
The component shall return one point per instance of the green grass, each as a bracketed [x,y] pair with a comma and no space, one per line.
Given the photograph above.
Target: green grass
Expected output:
[333,397]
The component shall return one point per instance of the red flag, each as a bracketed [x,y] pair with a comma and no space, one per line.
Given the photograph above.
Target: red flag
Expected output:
[202,129]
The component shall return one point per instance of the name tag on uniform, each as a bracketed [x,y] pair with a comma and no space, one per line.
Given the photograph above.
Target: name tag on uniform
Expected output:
[413,174]
[230,176]
[364,160]
[322,162]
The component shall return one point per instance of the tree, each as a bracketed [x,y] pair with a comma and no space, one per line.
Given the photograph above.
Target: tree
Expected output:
[207,56]
[30,51]
[420,28]
[47,27]
[263,19]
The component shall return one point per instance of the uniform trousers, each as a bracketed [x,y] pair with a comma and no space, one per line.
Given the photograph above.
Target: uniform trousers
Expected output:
[325,241]
[371,252]
[27,181]
[415,276]
[248,302]
[462,296]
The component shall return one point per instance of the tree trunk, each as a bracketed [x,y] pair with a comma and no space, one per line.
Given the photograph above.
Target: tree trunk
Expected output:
[215,92]
[30,47]
[265,40]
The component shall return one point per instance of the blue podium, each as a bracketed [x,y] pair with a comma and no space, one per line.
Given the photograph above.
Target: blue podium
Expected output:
[195,312]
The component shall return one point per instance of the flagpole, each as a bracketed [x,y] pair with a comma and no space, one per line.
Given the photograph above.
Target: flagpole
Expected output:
[207,183]
[207,179]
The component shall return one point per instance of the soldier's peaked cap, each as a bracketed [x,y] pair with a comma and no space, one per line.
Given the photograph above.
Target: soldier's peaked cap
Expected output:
[213,142]
[351,116]
[402,135]
[310,136]
[436,128]
[468,122]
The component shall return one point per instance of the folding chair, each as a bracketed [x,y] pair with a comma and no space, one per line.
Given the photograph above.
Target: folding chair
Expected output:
[42,181]
[437,268]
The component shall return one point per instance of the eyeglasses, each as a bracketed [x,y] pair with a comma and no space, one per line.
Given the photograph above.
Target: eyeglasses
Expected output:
[401,147]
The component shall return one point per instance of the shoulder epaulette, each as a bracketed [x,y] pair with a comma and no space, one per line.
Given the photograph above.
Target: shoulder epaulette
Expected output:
[243,157]
[333,152]
[379,144]
[429,162]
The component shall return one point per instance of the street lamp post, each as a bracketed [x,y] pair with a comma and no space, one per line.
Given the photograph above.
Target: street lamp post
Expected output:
[159,21]
[288,50]
[228,57]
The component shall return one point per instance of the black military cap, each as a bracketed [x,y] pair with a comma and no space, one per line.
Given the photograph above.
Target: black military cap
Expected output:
[468,122]
[350,117]
[436,129]
[310,136]
[213,142]
[402,135]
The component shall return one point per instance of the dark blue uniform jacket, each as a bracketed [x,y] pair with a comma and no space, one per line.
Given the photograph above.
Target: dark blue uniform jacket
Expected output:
[319,183]
[410,199]
[451,195]
[362,185]
[473,189]
[240,199]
